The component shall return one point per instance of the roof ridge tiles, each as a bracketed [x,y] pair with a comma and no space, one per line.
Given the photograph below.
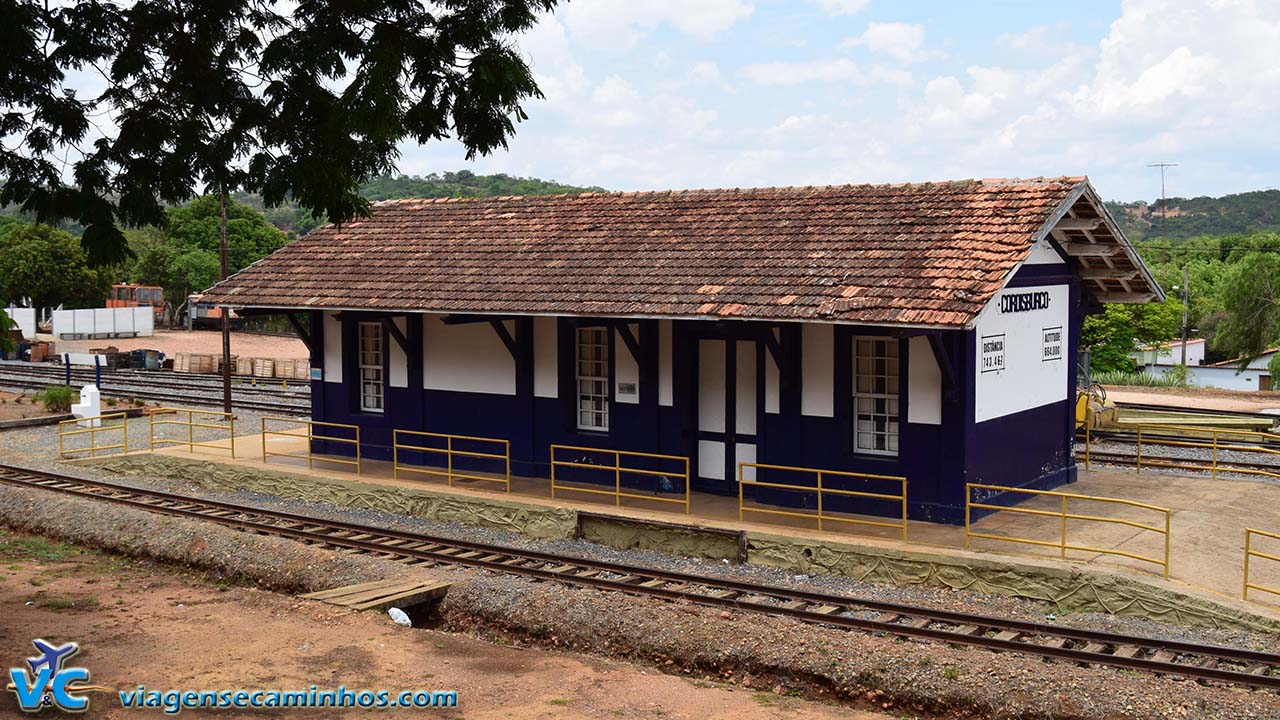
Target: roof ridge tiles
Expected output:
[796,189]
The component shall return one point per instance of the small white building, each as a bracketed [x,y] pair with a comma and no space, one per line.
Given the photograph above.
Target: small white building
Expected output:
[1170,353]
[1225,375]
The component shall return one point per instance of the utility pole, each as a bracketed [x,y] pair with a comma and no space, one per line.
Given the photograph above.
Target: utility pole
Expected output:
[226,312]
[1186,328]
[1164,204]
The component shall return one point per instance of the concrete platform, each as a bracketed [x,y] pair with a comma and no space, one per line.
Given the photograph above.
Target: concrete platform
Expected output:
[1207,539]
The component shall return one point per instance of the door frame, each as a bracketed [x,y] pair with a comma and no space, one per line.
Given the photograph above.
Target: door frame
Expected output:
[730,336]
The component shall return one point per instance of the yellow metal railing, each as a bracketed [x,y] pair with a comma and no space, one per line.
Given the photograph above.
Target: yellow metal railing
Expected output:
[1064,515]
[1216,440]
[820,489]
[311,436]
[195,419]
[619,469]
[450,452]
[92,431]
[1250,553]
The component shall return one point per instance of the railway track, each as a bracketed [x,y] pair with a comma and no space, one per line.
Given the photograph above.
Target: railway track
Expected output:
[159,387]
[1167,657]
[1161,462]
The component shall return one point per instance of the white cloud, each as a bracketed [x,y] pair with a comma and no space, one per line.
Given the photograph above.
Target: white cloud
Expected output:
[901,41]
[842,7]
[617,25]
[1194,83]
[836,70]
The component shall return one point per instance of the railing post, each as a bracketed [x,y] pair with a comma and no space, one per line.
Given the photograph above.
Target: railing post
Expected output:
[507,445]
[191,432]
[617,478]
[1088,441]
[1063,548]
[264,439]
[553,471]
[448,459]
[688,498]
[311,431]
[1248,537]
[904,509]
[1168,522]
[968,511]
[1215,454]
[231,419]
[359,467]
[124,424]
[740,493]
[819,499]
[1139,471]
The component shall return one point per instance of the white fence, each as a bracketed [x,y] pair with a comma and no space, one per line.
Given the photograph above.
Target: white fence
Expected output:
[104,323]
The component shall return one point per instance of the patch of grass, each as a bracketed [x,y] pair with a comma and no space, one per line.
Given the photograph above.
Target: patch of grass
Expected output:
[62,604]
[763,698]
[557,701]
[951,672]
[36,548]
[1139,379]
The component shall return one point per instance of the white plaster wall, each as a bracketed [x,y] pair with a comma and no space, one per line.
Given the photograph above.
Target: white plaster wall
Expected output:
[1043,254]
[546,376]
[818,368]
[744,397]
[1172,354]
[924,384]
[626,368]
[1224,378]
[398,362]
[1027,380]
[469,357]
[666,393]
[711,386]
[332,348]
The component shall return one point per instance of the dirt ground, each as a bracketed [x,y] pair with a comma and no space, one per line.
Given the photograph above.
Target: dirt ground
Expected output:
[1198,398]
[18,406]
[141,624]
[171,342]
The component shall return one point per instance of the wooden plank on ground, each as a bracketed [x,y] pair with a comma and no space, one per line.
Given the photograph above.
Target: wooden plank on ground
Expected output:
[382,594]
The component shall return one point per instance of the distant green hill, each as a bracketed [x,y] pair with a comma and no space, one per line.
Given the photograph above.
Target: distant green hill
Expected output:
[463,183]
[1192,217]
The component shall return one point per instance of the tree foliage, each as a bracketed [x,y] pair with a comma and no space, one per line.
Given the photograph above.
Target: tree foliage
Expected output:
[47,266]
[298,100]
[183,257]
[1111,335]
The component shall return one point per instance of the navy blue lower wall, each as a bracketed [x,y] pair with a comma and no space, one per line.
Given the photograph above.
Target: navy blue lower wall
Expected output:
[1028,450]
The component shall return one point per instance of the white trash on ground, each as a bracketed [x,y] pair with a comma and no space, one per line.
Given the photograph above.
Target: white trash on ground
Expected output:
[399,617]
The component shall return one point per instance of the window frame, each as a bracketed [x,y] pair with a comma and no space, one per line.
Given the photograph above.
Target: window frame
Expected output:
[602,382]
[379,368]
[892,375]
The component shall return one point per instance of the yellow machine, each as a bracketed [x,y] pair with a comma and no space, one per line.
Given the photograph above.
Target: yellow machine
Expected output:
[1093,409]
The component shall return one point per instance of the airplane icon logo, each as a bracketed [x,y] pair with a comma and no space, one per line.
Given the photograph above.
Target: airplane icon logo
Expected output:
[51,657]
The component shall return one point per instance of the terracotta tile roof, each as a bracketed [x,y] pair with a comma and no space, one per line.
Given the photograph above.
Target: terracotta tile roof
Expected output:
[928,254]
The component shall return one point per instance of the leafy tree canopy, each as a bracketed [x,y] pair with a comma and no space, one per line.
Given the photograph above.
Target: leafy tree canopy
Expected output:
[183,257]
[49,267]
[303,100]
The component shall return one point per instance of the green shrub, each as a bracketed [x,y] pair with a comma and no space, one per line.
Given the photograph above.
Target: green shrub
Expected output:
[1138,378]
[58,398]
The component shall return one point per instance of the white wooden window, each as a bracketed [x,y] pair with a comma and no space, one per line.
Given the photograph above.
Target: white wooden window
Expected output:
[372,343]
[875,395]
[593,378]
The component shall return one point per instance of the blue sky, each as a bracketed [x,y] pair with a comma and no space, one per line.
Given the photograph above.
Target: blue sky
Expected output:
[654,94]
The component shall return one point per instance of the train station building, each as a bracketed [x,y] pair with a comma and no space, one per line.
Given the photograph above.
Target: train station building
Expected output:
[923,331]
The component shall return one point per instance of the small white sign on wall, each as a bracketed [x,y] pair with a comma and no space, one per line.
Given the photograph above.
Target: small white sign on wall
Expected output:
[1051,344]
[992,353]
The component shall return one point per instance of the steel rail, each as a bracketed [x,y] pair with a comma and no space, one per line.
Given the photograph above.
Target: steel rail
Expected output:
[1171,657]
[190,396]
